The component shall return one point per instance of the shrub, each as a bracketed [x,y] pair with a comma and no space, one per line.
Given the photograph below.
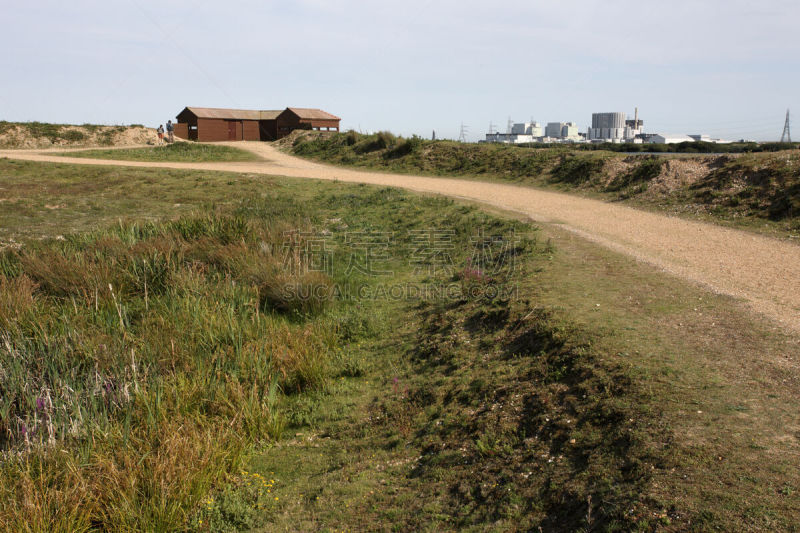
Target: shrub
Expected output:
[577,169]
[351,138]
[646,171]
[405,148]
[381,141]
[73,135]
[785,203]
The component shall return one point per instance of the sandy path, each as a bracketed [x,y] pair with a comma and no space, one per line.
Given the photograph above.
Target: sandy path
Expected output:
[763,271]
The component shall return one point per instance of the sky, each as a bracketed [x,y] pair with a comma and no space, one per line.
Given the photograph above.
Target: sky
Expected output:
[727,68]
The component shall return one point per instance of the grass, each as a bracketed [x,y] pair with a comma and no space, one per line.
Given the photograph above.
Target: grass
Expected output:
[754,191]
[601,396]
[41,201]
[614,387]
[179,151]
[144,358]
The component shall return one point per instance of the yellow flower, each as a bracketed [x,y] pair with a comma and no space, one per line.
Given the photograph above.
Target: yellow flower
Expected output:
[276,498]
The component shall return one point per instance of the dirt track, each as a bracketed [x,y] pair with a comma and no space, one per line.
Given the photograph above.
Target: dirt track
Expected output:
[763,271]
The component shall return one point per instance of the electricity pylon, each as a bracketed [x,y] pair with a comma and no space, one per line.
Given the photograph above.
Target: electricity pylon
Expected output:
[787,132]
[462,136]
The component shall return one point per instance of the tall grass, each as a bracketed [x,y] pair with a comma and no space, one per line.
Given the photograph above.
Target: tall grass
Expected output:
[137,363]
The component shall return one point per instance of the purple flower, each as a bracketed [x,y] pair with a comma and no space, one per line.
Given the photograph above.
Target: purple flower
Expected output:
[24,430]
[40,404]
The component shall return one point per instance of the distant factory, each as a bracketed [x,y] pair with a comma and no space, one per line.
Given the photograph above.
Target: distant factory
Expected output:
[610,127]
[615,128]
[532,132]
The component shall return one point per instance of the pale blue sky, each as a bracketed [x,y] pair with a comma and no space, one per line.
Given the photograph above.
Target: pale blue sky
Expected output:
[724,67]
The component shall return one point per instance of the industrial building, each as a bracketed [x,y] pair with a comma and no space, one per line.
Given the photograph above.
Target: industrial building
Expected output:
[522,132]
[611,127]
[614,127]
[669,138]
[534,129]
[207,124]
[532,132]
[561,130]
[676,138]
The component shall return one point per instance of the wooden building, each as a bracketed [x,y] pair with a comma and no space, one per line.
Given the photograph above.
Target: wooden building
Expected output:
[297,118]
[209,124]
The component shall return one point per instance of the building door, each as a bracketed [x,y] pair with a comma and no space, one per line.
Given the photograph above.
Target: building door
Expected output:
[232,130]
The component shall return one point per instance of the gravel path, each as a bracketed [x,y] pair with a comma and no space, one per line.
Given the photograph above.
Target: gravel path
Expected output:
[763,271]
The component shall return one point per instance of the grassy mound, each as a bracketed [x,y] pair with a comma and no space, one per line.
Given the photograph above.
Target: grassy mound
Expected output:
[45,135]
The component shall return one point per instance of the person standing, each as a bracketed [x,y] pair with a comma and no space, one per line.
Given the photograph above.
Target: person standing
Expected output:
[170,131]
[160,132]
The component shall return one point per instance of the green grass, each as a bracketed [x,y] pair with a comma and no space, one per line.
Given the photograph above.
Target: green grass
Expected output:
[604,396]
[51,200]
[179,151]
[673,396]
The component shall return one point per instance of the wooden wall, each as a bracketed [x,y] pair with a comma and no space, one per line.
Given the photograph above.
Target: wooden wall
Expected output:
[212,130]
[181,130]
[251,131]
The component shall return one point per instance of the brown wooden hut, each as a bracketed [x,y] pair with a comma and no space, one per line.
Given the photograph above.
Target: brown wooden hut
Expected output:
[300,118]
[211,124]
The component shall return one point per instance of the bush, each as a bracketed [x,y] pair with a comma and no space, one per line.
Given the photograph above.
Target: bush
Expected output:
[73,135]
[576,170]
[381,141]
[351,138]
[646,171]
[405,148]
